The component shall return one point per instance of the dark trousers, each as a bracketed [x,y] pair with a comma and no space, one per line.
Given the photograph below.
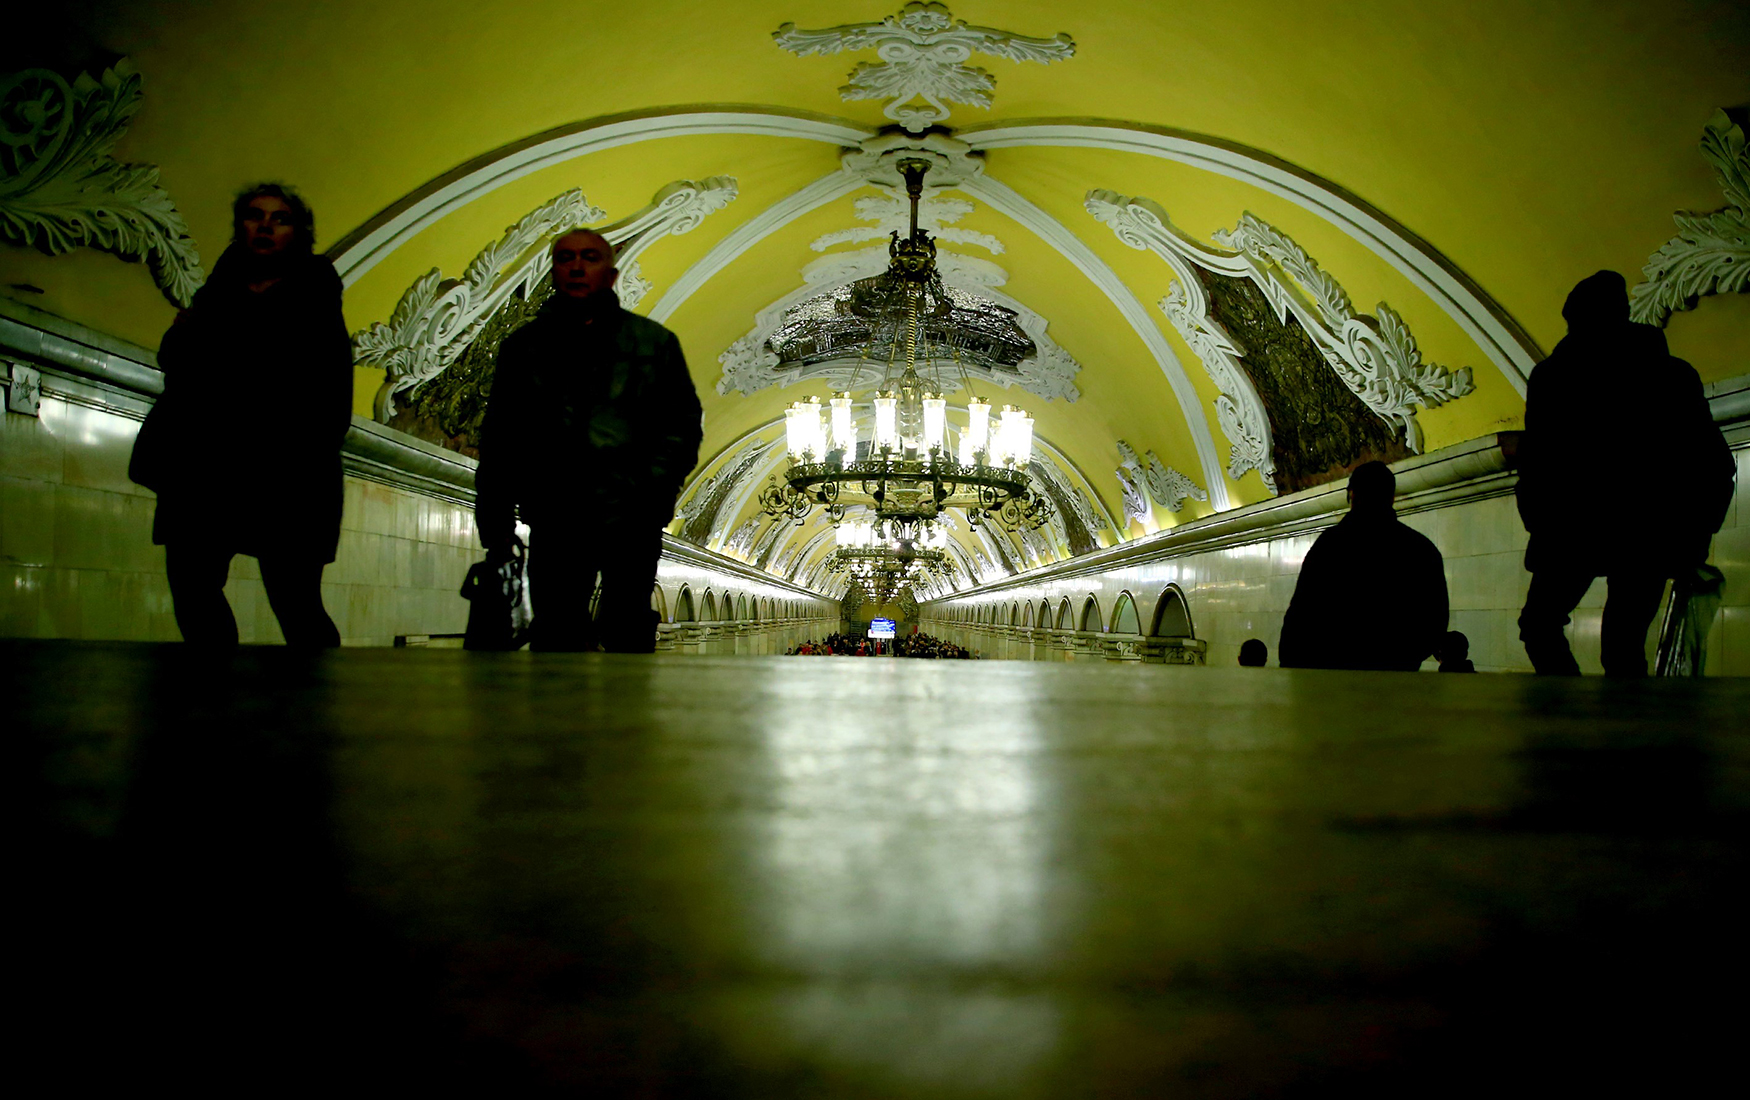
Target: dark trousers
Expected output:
[294,591]
[564,564]
[1629,607]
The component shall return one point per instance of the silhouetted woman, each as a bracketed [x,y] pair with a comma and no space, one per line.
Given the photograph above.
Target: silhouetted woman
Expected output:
[243,448]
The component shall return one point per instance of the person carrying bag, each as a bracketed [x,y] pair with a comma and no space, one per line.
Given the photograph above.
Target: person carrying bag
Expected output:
[498,596]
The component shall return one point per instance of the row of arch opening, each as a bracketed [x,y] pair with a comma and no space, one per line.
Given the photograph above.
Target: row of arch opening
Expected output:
[724,607]
[1170,618]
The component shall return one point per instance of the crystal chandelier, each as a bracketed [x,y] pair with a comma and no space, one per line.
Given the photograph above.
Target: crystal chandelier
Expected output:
[893,455]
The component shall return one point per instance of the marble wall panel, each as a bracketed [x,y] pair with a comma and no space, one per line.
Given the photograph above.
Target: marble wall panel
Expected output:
[1241,592]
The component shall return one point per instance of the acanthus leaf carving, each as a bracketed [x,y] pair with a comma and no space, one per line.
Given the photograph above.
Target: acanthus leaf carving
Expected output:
[60,188]
[1711,252]
[750,365]
[923,52]
[1169,487]
[1239,410]
[1375,357]
[437,318]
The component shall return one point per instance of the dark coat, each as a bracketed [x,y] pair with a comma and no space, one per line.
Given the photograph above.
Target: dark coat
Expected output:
[1371,594]
[1620,465]
[592,419]
[243,447]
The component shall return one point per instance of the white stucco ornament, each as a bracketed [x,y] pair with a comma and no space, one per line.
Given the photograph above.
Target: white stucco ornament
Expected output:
[1711,252]
[1130,479]
[60,188]
[923,52]
[1376,357]
[437,318]
[1169,487]
[749,364]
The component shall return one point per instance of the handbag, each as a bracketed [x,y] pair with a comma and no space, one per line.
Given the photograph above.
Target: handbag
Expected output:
[499,609]
[151,462]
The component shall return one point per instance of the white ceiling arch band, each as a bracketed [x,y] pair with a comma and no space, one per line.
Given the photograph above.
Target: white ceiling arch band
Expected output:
[1506,344]
[1007,201]
[368,245]
[832,186]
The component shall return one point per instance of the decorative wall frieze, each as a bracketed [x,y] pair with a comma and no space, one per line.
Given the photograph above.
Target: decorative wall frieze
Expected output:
[1711,252]
[60,188]
[437,318]
[923,51]
[705,504]
[1169,487]
[741,542]
[1154,481]
[1376,357]
[1129,475]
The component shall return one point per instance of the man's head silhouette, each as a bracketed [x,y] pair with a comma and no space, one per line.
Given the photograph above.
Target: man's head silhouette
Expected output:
[1372,487]
[1598,304]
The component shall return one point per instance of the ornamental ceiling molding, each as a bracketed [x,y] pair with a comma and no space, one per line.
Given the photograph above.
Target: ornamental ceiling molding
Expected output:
[1129,475]
[437,318]
[923,52]
[369,244]
[1711,252]
[1376,357]
[1501,337]
[1007,201]
[1165,486]
[60,188]
[749,365]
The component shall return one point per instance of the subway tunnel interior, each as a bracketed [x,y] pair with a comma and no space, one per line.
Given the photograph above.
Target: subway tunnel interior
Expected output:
[1220,257]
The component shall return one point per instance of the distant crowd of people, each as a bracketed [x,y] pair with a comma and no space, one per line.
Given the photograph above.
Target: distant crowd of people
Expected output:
[910,645]
[925,645]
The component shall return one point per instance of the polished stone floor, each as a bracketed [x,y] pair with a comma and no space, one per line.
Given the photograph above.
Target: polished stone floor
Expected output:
[828,877]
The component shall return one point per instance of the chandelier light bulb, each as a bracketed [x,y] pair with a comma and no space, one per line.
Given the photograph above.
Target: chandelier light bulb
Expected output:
[1022,450]
[968,457]
[844,432]
[794,441]
[1014,437]
[935,421]
[978,424]
[886,421]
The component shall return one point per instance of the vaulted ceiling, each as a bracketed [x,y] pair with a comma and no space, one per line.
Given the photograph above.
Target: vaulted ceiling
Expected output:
[1462,164]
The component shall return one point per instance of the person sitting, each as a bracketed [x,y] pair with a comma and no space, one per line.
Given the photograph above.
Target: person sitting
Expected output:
[1371,592]
[1254,653]
[1454,653]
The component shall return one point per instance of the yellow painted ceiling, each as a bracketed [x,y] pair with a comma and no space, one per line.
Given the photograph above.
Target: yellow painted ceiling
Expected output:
[1527,144]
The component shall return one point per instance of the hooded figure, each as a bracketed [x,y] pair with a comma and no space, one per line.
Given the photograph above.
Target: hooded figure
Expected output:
[1622,474]
[243,447]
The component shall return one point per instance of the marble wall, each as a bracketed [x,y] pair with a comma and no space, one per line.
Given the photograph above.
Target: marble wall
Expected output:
[1240,591]
[77,560]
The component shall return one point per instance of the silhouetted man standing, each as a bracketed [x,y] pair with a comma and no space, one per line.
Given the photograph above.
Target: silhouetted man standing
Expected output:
[592,425]
[1371,593]
[1622,474]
